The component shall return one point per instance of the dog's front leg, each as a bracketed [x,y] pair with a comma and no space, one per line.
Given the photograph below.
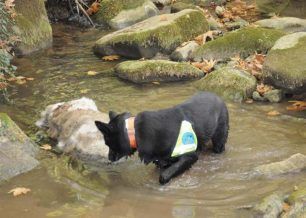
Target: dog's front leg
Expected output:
[184,163]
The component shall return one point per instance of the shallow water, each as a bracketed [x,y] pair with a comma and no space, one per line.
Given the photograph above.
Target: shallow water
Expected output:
[216,186]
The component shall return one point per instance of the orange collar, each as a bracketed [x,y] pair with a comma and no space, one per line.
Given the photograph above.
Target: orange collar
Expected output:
[130,127]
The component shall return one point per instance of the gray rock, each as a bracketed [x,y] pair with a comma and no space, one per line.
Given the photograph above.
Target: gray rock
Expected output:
[17,151]
[285,65]
[229,83]
[274,96]
[213,24]
[242,42]
[157,71]
[162,33]
[179,6]
[287,24]
[257,97]
[219,11]
[129,17]
[269,207]
[296,162]
[183,53]
[162,2]
[121,13]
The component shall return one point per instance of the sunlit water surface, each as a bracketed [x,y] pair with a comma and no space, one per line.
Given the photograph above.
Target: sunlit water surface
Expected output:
[216,186]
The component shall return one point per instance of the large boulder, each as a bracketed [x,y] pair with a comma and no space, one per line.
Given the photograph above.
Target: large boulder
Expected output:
[243,42]
[285,65]
[287,24]
[271,6]
[32,26]
[269,207]
[229,83]
[157,34]
[157,71]
[296,162]
[123,13]
[183,52]
[17,151]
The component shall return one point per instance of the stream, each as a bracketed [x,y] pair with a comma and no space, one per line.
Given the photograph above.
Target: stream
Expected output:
[216,186]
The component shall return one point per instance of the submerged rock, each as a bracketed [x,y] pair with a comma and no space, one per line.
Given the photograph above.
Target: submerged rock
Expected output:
[285,65]
[17,150]
[242,42]
[183,53]
[157,34]
[287,24]
[269,207]
[274,96]
[157,71]
[229,83]
[296,162]
[122,13]
[32,26]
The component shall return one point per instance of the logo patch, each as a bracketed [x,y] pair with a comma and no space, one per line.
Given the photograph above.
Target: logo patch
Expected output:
[186,141]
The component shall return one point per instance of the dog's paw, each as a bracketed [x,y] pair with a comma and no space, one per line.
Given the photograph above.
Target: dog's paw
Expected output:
[163,180]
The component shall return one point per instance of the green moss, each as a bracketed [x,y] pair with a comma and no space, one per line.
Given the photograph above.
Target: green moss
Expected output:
[153,32]
[296,196]
[179,6]
[110,8]
[32,25]
[286,68]
[156,70]
[242,42]
[230,83]
[272,6]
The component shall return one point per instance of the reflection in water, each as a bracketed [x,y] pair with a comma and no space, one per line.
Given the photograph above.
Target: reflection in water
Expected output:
[215,186]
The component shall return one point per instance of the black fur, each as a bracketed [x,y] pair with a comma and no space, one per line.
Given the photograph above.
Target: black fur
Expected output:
[157,132]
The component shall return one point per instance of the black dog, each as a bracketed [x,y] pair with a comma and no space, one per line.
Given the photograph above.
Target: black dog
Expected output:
[170,138]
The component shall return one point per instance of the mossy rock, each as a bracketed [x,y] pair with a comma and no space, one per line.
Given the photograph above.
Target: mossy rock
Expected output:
[287,24]
[271,6]
[229,83]
[17,150]
[242,42]
[157,34]
[157,71]
[285,65]
[179,6]
[269,207]
[297,195]
[119,14]
[32,26]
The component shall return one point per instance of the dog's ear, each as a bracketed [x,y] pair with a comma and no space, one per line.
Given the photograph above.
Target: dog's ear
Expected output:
[103,127]
[112,115]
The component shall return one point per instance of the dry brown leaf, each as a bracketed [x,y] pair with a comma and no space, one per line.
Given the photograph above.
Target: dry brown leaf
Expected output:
[163,18]
[201,39]
[262,88]
[94,8]
[286,207]
[29,78]
[297,106]
[92,73]
[197,64]
[19,191]
[249,101]
[273,113]
[110,58]
[3,85]
[46,147]
[208,65]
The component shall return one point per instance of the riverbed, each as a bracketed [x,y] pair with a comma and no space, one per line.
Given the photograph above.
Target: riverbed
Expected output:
[221,185]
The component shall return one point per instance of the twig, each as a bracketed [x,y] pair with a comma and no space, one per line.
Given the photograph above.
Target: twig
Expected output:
[70,6]
[84,3]
[77,6]
[84,12]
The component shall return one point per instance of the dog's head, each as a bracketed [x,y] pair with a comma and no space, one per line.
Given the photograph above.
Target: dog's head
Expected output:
[115,135]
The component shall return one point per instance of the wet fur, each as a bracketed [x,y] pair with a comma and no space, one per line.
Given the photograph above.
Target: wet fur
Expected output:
[157,132]
[72,125]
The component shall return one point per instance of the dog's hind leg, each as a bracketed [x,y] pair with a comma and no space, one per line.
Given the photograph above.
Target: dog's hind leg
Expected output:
[184,163]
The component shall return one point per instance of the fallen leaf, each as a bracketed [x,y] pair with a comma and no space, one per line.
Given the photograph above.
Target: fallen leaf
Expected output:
[163,18]
[297,106]
[3,85]
[286,207]
[201,39]
[262,88]
[19,191]
[94,8]
[156,83]
[29,78]
[92,73]
[273,113]
[110,58]
[208,65]
[249,101]
[46,147]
